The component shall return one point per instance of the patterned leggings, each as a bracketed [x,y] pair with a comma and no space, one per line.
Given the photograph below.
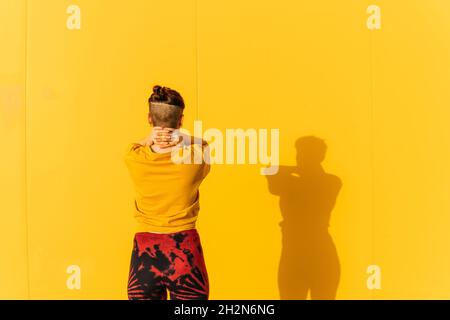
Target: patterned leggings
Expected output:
[172,261]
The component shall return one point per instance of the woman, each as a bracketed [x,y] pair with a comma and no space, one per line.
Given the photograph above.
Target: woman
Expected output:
[167,252]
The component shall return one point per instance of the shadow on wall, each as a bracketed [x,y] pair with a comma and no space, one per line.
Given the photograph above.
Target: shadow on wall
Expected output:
[307,195]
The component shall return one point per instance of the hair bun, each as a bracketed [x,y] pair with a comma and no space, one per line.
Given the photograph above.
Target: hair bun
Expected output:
[160,91]
[166,95]
[157,89]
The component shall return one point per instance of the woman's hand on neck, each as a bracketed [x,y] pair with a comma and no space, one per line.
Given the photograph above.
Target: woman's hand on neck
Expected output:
[165,147]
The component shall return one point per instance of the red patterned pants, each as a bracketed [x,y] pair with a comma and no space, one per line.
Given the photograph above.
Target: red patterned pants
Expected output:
[168,261]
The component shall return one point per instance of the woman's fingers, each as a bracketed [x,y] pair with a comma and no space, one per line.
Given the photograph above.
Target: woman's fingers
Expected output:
[157,131]
[163,137]
[175,141]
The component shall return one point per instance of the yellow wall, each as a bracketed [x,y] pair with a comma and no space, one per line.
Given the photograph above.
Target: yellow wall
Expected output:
[71,100]
[13,226]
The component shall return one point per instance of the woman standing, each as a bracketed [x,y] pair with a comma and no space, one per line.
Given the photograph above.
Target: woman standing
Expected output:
[167,252]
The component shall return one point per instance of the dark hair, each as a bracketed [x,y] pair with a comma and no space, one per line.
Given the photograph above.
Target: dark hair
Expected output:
[166,115]
[166,95]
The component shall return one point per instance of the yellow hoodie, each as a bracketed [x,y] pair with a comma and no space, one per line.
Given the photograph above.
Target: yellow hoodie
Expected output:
[167,195]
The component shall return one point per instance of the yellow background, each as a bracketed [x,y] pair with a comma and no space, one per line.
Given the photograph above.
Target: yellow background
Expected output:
[71,100]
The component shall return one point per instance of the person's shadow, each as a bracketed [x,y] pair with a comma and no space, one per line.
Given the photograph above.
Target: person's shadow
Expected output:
[307,194]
